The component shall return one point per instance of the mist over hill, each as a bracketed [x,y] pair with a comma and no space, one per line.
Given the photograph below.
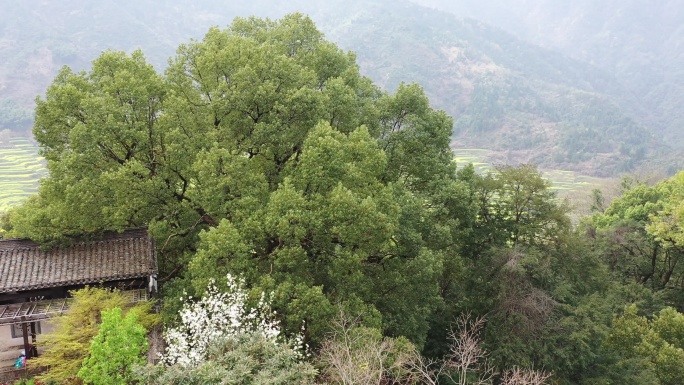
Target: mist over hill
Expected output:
[640,42]
[526,103]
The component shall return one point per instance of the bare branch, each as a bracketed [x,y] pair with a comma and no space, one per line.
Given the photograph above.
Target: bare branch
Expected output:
[466,355]
[517,376]
[354,355]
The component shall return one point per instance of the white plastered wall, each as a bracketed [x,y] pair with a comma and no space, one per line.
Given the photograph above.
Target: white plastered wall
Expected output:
[10,348]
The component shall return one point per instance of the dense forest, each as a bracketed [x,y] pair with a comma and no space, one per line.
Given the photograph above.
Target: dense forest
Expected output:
[275,177]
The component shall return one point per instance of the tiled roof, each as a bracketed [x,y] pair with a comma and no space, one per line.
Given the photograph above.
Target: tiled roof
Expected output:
[24,266]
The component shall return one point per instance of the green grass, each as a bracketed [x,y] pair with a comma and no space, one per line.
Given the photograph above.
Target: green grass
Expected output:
[21,169]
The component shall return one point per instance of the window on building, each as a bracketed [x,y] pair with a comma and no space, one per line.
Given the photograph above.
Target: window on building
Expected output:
[18,332]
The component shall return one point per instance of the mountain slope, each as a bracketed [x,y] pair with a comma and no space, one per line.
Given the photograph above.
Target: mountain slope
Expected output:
[641,42]
[527,103]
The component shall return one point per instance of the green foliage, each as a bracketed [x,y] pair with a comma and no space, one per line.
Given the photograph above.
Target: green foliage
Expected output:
[547,297]
[122,95]
[13,116]
[657,344]
[264,150]
[69,343]
[119,344]
[246,358]
[638,235]
[628,332]
[667,224]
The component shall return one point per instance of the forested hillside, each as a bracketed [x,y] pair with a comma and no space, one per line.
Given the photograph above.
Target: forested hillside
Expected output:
[639,42]
[526,103]
[529,104]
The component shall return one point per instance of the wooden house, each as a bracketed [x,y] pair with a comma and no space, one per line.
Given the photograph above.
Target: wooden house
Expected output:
[35,283]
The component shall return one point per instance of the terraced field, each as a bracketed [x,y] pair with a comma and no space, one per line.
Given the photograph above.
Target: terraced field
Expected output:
[476,156]
[20,171]
[567,183]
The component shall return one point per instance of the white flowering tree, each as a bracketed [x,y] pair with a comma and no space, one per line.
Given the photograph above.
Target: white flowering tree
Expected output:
[215,316]
[221,338]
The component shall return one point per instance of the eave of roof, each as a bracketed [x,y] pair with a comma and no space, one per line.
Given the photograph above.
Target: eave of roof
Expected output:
[117,256]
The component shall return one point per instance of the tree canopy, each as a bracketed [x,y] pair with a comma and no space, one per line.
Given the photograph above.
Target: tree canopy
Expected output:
[260,152]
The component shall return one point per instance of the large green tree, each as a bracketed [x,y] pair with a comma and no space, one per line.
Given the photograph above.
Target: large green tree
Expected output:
[545,294]
[639,236]
[651,348]
[261,152]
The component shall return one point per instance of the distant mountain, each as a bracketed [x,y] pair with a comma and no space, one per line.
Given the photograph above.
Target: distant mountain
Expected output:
[528,104]
[641,42]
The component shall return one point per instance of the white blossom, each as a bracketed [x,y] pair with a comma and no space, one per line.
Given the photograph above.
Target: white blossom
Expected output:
[216,315]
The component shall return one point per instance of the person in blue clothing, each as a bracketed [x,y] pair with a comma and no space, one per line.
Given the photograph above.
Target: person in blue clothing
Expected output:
[21,361]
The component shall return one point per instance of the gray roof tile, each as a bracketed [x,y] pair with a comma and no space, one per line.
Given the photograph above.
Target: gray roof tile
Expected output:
[24,266]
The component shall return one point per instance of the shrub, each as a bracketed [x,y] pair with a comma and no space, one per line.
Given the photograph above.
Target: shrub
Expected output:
[119,344]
